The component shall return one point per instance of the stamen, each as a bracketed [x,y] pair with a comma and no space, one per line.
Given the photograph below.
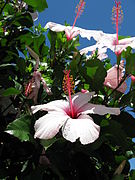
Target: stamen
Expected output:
[79,10]
[117,17]
[28,88]
[68,88]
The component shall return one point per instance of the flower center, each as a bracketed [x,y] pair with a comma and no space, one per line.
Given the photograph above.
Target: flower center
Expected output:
[69,113]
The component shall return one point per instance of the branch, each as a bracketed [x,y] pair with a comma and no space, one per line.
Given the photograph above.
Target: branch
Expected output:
[35,56]
[3,7]
[106,98]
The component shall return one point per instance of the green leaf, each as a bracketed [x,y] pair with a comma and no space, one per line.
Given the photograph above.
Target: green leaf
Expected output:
[132,175]
[23,20]
[52,36]
[118,177]
[130,64]
[94,73]
[123,37]
[48,143]
[11,91]
[128,99]
[127,123]
[9,9]
[119,159]
[38,42]
[38,5]
[20,128]
[25,38]
[21,65]
[116,134]
[126,53]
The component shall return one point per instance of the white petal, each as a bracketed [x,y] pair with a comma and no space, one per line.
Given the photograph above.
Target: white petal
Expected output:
[98,109]
[91,33]
[127,41]
[83,128]
[67,32]
[79,99]
[58,105]
[74,33]
[102,56]
[55,27]
[101,51]
[87,49]
[48,126]
[83,32]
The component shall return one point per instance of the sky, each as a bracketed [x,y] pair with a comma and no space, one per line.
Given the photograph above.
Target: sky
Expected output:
[96,16]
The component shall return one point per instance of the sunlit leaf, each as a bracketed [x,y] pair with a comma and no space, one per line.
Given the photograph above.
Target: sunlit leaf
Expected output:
[11,91]
[39,5]
[94,73]
[20,128]
[130,64]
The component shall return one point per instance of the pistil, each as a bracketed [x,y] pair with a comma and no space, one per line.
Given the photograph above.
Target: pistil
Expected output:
[117,17]
[68,87]
[79,10]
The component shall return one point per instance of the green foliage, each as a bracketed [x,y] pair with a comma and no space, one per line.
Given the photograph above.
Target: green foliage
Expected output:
[21,155]
[128,99]
[11,91]
[118,177]
[127,123]
[130,64]
[132,175]
[94,73]
[39,5]
[20,128]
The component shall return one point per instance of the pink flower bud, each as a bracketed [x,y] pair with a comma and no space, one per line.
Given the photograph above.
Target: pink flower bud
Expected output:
[84,90]
[133,79]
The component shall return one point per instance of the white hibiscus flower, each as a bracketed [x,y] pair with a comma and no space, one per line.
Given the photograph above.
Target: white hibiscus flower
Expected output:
[77,124]
[71,31]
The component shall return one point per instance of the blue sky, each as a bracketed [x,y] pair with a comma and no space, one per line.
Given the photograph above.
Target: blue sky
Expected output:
[96,16]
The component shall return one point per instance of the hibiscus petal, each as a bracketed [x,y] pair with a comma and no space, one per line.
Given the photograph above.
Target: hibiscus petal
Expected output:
[111,79]
[83,128]
[127,41]
[123,87]
[98,109]
[87,49]
[48,126]
[55,27]
[74,33]
[84,33]
[67,32]
[58,105]
[79,99]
